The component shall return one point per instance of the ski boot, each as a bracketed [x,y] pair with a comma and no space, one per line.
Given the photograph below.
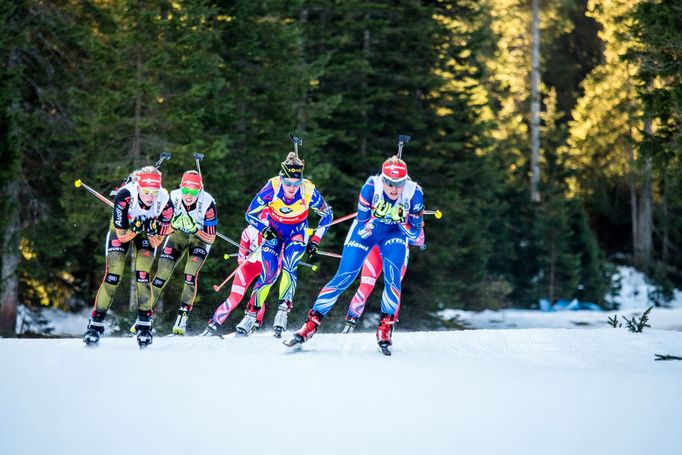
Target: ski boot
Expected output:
[211,330]
[307,331]
[180,326]
[143,327]
[351,322]
[384,332]
[280,324]
[95,328]
[247,324]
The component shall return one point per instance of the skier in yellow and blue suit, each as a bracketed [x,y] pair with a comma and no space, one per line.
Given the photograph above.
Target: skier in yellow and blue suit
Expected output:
[287,200]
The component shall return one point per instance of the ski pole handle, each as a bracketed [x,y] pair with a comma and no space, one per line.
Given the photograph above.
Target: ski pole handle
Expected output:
[437,213]
[78,184]
[217,287]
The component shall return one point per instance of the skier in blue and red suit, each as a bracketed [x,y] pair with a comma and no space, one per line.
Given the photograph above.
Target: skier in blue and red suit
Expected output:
[288,198]
[390,210]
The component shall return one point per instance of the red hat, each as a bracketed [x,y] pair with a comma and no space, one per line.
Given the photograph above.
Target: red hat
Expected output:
[149,180]
[394,171]
[191,180]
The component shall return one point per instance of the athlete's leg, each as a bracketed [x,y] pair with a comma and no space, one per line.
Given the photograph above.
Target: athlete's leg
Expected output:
[242,281]
[172,251]
[144,257]
[116,253]
[371,269]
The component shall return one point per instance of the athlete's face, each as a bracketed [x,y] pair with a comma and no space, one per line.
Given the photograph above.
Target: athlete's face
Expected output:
[393,192]
[290,186]
[148,195]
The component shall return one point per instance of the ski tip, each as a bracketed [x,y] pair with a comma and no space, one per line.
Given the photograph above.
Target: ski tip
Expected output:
[77,183]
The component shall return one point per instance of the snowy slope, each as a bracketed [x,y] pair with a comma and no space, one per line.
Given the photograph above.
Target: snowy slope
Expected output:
[548,391]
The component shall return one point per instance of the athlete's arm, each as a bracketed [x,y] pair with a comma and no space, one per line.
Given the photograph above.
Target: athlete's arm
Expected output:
[325,212]
[258,204]
[208,232]
[121,224]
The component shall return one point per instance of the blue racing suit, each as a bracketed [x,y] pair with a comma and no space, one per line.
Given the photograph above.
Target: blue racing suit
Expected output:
[384,223]
[289,219]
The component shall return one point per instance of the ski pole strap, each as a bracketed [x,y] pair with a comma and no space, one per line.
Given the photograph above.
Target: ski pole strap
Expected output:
[78,184]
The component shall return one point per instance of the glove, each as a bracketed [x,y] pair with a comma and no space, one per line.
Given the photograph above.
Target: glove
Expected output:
[269,234]
[152,226]
[184,223]
[313,248]
[137,225]
[366,230]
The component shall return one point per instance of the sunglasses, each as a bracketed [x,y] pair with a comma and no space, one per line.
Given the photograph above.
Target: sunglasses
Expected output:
[186,191]
[149,192]
[399,184]
[286,182]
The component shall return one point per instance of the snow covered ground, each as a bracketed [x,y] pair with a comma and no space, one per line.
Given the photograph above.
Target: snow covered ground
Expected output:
[534,391]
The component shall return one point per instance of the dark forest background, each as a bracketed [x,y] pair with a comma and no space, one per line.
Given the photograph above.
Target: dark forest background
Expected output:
[91,90]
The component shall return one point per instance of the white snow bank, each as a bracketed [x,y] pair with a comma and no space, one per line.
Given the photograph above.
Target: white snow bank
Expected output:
[659,318]
[635,290]
[471,392]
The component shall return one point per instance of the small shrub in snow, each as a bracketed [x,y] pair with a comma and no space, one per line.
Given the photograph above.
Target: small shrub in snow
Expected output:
[613,322]
[635,324]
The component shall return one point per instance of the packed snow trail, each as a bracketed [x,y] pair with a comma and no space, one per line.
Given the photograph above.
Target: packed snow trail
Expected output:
[538,391]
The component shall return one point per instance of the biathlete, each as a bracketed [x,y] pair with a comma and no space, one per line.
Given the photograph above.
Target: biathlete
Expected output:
[193,231]
[390,214]
[251,239]
[141,217]
[288,198]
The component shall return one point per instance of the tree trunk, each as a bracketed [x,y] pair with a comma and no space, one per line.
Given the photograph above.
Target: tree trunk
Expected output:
[10,261]
[643,244]
[535,106]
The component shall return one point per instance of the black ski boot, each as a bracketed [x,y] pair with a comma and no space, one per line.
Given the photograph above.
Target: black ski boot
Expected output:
[143,326]
[95,328]
[350,325]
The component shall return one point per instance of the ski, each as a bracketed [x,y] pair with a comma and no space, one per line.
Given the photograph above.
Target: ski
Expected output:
[296,340]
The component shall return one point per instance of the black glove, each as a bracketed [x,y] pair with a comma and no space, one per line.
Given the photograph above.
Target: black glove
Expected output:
[312,250]
[152,226]
[269,234]
[137,225]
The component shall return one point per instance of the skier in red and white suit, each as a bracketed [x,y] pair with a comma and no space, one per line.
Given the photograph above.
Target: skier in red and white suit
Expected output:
[250,240]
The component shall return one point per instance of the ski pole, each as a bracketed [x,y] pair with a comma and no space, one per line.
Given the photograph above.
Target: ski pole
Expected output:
[331,255]
[437,213]
[304,264]
[78,183]
[217,287]
[336,221]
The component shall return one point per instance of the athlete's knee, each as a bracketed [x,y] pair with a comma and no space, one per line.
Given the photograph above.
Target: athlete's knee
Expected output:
[142,276]
[112,278]
[190,279]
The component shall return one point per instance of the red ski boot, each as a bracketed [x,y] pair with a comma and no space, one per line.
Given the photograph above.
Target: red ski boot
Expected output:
[307,331]
[384,332]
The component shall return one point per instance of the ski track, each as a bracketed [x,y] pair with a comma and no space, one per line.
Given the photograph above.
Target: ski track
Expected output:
[534,391]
